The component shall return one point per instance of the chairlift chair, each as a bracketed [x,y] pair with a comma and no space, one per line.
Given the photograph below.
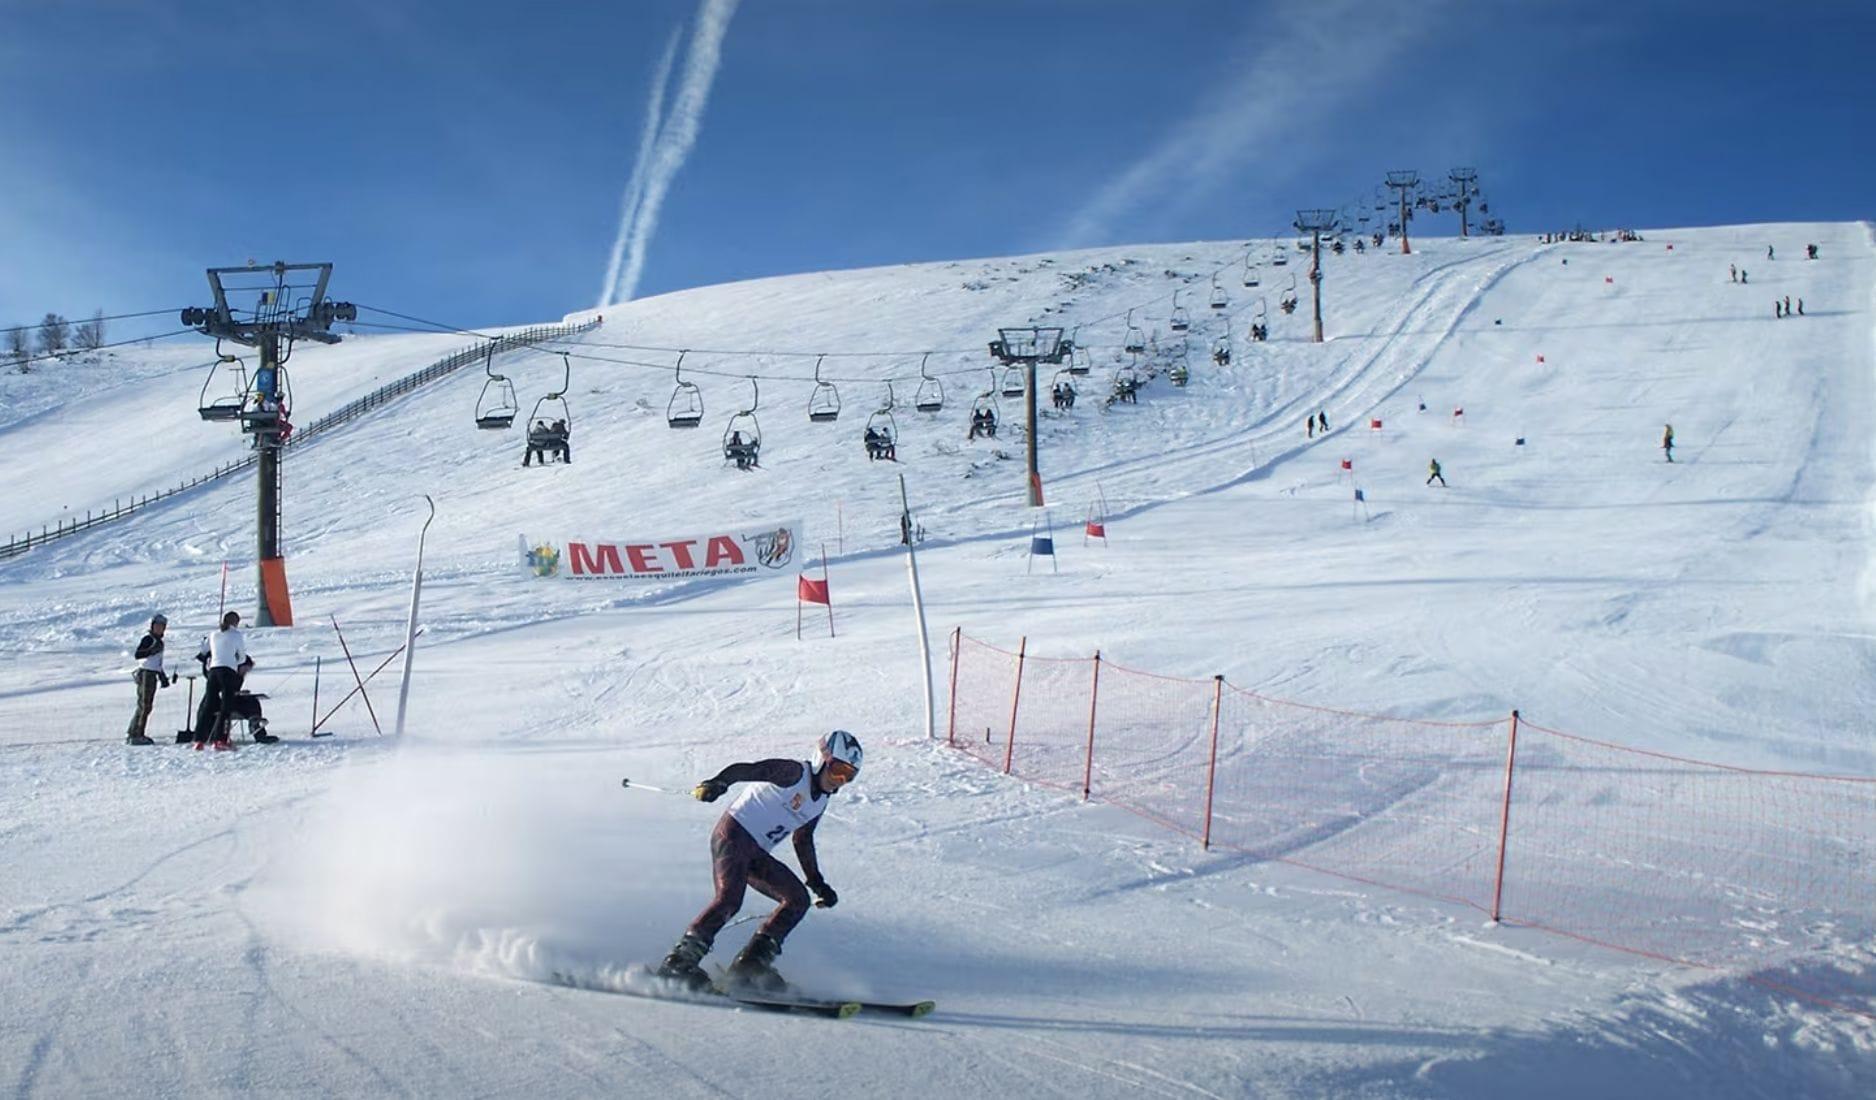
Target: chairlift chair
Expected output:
[1136,340]
[686,407]
[930,397]
[1221,350]
[1062,392]
[1250,271]
[1219,301]
[984,413]
[1012,382]
[742,436]
[1078,362]
[882,431]
[227,402]
[1279,257]
[1180,322]
[1126,385]
[1288,302]
[496,406]
[261,412]
[546,432]
[824,401]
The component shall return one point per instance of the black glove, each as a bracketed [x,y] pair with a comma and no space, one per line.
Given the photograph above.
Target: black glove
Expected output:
[163,678]
[709,790]
[824,896]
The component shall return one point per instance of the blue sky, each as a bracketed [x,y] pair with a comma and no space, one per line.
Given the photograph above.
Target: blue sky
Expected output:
[466,161]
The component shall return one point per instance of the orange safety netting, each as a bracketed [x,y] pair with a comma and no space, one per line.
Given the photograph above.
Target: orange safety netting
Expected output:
[1684,860]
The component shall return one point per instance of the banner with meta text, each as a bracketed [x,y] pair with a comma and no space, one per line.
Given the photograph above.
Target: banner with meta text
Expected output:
[729,552]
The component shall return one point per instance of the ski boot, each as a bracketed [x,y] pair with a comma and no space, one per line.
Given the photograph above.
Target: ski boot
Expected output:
[261,736]
[754,967]
[681,965]
[138,739]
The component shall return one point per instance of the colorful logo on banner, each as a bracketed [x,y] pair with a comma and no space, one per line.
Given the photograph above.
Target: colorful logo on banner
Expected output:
[543,560]
[716,554]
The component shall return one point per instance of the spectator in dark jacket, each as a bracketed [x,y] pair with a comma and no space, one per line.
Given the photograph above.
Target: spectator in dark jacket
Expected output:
[149,676]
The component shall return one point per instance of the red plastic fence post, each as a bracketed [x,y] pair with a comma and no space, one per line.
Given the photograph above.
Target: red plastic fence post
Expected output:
[1211,770]
[1504,818]
[957,648]
[1016,696]
[1094,700]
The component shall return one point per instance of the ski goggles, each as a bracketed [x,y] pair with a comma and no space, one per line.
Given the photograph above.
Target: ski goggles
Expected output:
[841,770]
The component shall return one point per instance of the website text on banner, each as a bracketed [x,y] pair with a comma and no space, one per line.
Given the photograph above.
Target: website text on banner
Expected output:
[1683,860]
[727,552]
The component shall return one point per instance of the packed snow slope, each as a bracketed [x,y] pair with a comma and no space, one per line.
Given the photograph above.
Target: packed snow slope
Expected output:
[363,915]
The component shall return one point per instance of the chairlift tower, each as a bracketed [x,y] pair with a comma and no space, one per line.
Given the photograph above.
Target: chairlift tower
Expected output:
[1029,346]
[1403,182]
[1316,223]
[289,304]
[1467,180]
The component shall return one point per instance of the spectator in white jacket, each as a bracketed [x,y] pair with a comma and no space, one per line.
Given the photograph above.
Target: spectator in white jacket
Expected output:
[222,654]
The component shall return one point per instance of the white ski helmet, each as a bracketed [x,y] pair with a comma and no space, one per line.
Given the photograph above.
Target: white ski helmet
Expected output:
[843,747]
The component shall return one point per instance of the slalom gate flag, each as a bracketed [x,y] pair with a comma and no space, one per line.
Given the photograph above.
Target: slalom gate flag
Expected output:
[726,552]
[1360,496]
[809,590]
[1348,464]
[1042,544]
[1097,530]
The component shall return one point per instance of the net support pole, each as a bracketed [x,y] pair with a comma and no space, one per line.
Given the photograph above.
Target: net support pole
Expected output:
[1016,697]
[1211,769]
[1094,700]
[1504,819]
[918,609]
[957,649]
[410,623]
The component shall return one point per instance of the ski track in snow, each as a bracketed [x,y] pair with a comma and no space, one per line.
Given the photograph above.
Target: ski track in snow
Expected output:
[363,917]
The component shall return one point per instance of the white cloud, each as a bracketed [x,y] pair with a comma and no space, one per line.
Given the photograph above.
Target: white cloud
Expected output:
[676,136]
[1303,64]
[635,187]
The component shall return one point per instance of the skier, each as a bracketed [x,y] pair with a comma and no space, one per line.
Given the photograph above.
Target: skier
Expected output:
[1322,422]
[1667,441]
[1433,471]
[1732,273]
[1778,308]
[1309,426]
[1742,275]
[1787,305]
[149,676]
[1810,252]
[1801,307]
[1768,251]
[785,796]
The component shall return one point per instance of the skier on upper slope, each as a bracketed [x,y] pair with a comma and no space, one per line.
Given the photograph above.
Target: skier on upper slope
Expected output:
[784,797]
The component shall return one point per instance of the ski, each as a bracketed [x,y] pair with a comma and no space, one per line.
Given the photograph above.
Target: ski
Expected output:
[727,986]
[782,1002]
[710,994]
[910,1009]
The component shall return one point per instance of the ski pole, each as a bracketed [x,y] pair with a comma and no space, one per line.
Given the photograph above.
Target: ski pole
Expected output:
[631,786]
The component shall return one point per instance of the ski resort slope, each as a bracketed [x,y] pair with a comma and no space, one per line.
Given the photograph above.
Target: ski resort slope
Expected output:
[362,916]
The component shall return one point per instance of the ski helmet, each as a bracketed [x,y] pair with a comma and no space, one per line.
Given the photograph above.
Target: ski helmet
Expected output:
[843,749]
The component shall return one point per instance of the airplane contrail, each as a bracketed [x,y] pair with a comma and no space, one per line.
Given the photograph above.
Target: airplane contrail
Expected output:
[676,136]
[635,187]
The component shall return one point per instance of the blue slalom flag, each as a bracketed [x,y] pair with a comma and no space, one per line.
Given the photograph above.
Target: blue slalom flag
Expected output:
[1041,544]
[1359,495]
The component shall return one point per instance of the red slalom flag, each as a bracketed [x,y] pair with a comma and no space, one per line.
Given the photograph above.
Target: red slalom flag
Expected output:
[809,590]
